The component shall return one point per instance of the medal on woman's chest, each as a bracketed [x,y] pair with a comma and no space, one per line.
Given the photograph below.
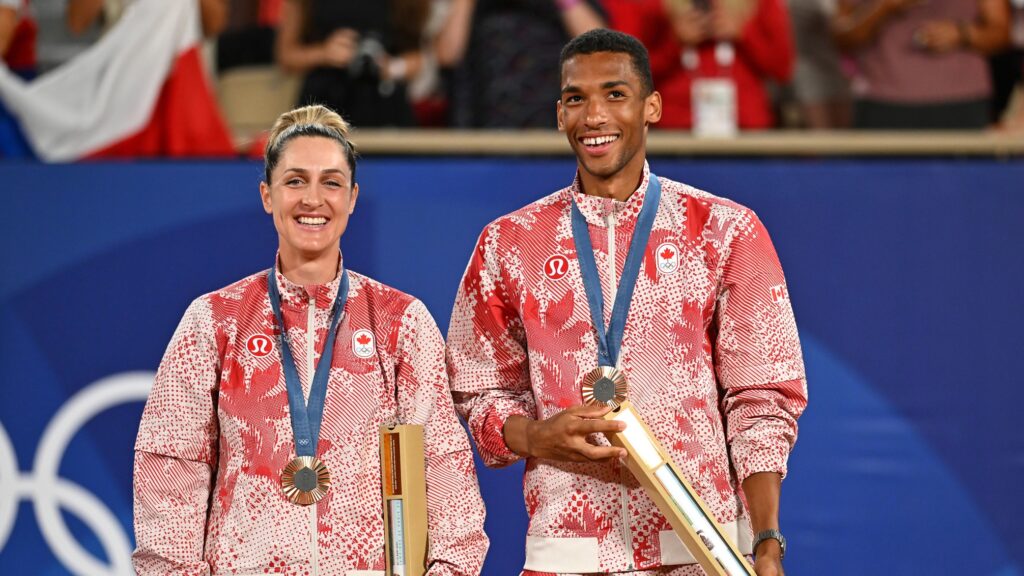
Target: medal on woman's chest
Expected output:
[306,479]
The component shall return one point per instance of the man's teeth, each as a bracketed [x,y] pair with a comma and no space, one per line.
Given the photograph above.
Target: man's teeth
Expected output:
[599,140]
[312,221]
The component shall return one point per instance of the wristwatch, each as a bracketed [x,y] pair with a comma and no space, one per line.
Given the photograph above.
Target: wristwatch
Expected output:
[771,533]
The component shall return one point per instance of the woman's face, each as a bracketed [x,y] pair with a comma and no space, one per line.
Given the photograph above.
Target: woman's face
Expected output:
[310,196]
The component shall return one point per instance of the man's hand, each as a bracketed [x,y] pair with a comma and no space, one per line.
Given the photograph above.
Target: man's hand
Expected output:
[564,436]
[769,559]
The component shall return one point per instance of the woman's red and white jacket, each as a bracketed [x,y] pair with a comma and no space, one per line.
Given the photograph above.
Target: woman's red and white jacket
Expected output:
[216,434]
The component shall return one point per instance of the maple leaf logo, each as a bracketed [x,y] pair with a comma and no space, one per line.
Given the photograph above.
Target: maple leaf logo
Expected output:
[363,339]
[667,253]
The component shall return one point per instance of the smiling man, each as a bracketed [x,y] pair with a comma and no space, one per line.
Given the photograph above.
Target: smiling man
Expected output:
[678,290]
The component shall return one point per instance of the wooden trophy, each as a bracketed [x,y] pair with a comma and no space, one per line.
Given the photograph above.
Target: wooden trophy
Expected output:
[404,489]
[674,496]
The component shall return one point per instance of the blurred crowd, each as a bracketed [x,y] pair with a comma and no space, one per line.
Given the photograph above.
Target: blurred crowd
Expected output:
[721,65]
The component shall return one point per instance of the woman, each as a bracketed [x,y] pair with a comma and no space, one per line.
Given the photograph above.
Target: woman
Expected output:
[214,489]
[356,56]
[921,65]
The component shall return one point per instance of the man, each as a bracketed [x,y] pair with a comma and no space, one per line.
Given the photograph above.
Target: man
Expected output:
[709,347]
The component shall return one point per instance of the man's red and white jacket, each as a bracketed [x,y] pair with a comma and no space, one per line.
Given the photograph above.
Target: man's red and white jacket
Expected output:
[216,434]
[710,350]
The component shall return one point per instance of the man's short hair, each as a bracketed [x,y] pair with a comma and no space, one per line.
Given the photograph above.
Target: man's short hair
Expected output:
[604,40]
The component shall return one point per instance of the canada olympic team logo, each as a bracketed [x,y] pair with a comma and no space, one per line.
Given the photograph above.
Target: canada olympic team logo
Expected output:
[667,257]
[362,343]
[556,267]
[49,493]
[259,345]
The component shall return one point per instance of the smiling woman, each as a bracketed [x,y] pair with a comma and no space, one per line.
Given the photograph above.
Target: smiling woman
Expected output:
[258,449]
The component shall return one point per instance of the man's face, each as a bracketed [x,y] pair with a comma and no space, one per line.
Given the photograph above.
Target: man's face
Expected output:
[604,112]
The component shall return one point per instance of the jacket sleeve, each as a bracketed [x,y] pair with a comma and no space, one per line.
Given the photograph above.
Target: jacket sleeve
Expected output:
[176,452]
[455,509]
[487,354]
[757,353]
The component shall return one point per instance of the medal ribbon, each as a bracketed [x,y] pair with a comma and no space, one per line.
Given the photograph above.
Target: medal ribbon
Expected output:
[609,342]
[305,417]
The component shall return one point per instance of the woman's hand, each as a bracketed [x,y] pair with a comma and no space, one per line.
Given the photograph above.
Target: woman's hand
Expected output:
[939,36]
[340,47]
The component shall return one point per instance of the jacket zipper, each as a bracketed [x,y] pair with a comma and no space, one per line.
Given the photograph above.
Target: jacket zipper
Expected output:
[627,533]
[310,370]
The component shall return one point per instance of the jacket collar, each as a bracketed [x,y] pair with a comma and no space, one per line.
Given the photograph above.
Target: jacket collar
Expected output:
[596,210]
[296,295]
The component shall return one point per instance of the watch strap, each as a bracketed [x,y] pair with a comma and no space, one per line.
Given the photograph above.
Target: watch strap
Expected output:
[771,533]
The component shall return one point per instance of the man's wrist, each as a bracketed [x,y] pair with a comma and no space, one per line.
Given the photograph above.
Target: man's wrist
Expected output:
[770,543]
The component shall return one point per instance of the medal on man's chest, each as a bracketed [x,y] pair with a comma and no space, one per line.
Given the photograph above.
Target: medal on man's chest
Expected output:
[607,384]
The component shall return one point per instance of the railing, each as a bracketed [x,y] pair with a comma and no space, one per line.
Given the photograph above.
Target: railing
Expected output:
[672,143]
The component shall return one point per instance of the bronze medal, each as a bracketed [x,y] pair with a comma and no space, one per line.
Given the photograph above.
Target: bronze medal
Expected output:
[305,480]
[606,385]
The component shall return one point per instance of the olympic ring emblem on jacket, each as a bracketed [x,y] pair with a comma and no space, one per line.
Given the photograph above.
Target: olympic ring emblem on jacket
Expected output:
[49,493]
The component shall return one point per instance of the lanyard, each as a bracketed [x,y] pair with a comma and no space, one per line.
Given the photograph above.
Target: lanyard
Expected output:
[609,342]
[306,418]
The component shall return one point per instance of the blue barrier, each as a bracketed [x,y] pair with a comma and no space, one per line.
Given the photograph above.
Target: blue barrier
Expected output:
[904,275]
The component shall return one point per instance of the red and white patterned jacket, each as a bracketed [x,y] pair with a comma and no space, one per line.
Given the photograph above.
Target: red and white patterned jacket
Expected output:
[216,434]
[710,350]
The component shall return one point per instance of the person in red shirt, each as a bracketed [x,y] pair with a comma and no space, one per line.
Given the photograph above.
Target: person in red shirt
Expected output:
[747,41]
[18,38]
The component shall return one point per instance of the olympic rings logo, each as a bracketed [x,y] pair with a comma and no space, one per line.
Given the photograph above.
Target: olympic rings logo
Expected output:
[48,492]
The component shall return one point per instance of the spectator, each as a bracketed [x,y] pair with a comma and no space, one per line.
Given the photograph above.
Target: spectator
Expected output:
[821,90]
[1006,66]
[744,41]
[922,64]
[68,27]
[251,35]
[357,56]
[506,53]
[17,38]
[84,14]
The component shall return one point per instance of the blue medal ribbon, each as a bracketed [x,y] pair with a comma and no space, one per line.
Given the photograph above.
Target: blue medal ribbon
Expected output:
[306,418]
[610,341]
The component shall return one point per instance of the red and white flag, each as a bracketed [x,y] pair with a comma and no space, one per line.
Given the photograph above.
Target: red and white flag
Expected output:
[139,91]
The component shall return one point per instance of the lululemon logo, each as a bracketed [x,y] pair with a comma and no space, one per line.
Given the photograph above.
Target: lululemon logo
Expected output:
[362,343]
[668,258]
[259,345]
[556,267]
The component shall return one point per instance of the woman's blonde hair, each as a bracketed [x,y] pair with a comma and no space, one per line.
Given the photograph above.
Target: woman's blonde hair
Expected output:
[315,120]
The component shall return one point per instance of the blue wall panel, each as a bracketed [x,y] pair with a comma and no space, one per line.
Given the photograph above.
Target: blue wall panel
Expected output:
[905,277]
